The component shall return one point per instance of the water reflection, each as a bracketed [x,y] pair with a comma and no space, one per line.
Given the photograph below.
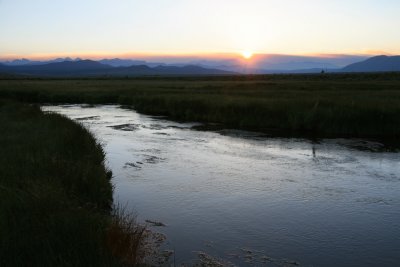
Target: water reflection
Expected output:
[252,200]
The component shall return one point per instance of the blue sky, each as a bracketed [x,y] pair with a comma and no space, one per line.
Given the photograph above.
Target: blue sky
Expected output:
[39,28]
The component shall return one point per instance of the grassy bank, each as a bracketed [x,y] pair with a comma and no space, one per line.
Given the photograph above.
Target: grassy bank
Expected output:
[56,196]
[340,105]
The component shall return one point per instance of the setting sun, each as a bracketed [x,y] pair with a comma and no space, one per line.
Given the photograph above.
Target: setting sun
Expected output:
[247,54]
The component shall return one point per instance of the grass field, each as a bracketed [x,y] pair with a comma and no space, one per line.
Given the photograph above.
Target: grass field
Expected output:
[56,195]
[333,105]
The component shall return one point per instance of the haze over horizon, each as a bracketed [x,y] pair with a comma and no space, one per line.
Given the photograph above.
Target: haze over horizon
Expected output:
[46,29]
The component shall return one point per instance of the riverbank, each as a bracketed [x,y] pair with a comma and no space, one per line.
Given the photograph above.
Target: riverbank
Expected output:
[56,195]
[314,106]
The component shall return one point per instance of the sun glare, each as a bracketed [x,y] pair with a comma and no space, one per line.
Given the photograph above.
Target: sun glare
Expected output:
[247,54]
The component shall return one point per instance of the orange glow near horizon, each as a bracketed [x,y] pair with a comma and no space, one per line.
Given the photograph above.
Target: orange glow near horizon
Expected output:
[247,54]
[131,55]
[148,55]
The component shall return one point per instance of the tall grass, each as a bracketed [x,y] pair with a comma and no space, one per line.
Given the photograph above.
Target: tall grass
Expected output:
[341,105]
[55,194]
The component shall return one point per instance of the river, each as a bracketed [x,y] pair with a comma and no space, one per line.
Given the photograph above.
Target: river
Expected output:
[249,199]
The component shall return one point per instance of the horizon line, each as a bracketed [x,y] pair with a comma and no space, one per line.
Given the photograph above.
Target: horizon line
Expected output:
[138,55]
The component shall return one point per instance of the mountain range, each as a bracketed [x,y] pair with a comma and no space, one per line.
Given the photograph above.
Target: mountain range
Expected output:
[67,67]
[95,68]
[375,64]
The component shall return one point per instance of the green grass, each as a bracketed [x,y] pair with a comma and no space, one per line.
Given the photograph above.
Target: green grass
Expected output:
[336,105]
[55,194]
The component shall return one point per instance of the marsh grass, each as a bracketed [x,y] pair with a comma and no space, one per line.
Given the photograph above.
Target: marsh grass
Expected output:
[56,195]
[335,105]
[124,237]
[133,243]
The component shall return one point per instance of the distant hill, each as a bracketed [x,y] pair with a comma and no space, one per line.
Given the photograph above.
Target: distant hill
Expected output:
[144,70]
[117,62]
[65,68]
[20,62]
[189,69]
[71,66]
[375,64]
[25,62]
[93,68]
[3,68]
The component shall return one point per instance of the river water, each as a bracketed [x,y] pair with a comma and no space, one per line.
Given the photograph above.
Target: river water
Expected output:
[249,199]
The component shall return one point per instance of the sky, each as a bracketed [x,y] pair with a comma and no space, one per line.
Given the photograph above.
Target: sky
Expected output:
[128,28]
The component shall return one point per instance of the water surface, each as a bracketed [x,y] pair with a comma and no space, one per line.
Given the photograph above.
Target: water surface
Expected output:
[248,199]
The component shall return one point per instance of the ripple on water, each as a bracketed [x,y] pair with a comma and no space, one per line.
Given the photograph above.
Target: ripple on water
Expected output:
[327,203]
[129,127]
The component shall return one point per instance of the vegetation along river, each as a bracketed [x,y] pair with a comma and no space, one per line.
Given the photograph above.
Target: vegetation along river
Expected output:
[249,199]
